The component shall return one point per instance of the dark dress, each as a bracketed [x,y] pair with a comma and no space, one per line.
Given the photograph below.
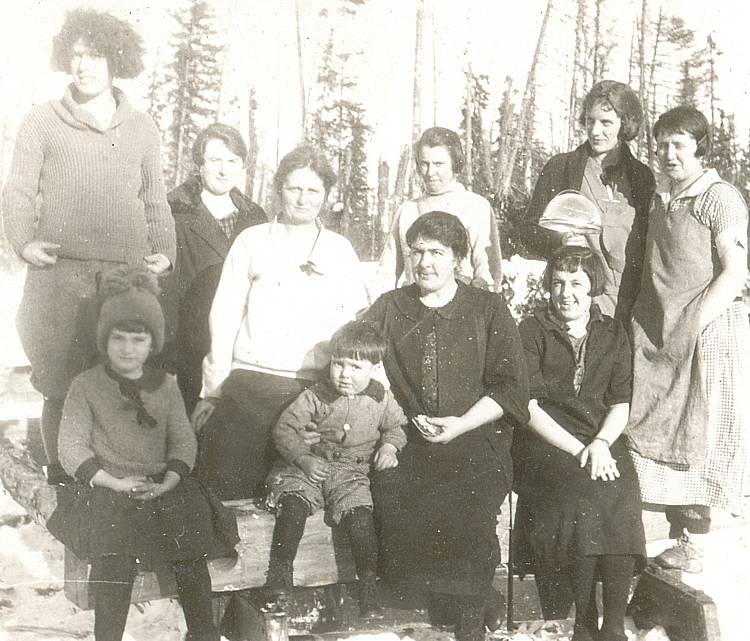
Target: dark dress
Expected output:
[437,510]
[189,291]
[562,514]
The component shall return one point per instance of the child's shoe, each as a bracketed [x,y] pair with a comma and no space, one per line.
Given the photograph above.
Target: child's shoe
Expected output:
[280,579]
[686,555]
[368,600]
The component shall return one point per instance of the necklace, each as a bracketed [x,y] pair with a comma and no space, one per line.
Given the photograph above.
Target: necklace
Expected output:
[309,266]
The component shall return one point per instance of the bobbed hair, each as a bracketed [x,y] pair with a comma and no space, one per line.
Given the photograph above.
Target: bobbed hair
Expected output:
[619,97]
[442,137]
[219,131]
[686,120]
[358,340]
[572,258]
[106,36]
[442,227]
[305,157]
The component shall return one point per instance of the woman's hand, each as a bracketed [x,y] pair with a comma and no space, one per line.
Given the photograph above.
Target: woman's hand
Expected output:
[157,263]
[385,457]
[574,239]
[202,412]
[40,253]
[316,468]
[601,464]
[453,426]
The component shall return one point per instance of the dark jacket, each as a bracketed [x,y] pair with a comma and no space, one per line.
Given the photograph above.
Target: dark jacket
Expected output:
[565,171]
[202,247]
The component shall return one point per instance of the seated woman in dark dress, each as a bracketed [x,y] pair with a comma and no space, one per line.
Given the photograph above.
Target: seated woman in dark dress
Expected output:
[454,356]
[579,514]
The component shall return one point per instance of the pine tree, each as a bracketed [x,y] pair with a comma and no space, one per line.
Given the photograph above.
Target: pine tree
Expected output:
[193,82]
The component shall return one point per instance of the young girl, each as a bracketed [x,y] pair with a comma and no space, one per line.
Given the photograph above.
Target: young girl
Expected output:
[579,515]
[126,439]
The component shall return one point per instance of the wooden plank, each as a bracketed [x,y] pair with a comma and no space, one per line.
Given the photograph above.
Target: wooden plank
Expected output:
[687,614]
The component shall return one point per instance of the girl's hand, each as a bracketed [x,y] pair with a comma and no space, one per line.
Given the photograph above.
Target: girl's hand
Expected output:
[452,427]
[127,485]
[150,490]
[601,464]
[385,457]
[202,412]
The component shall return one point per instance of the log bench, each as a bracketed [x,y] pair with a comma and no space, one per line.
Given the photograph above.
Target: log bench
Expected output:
[324,557]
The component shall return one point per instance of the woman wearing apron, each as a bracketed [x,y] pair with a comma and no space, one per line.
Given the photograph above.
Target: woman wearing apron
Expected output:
[688,422]
[604,170]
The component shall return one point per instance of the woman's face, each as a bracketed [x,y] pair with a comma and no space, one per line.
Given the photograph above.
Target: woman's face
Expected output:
[677,159]
[221,168]
[436,168]
[302,197]
[602,128]
[434,265]
[89,71]
[570,294]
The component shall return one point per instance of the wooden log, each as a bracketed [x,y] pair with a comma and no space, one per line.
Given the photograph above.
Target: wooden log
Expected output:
[24,481]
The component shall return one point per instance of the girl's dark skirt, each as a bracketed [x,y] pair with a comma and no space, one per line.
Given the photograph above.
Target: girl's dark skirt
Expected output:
[562,514]
[180,525]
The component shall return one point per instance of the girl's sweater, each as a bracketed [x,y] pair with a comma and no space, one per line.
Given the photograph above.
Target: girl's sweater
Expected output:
[99,428]
[98,193]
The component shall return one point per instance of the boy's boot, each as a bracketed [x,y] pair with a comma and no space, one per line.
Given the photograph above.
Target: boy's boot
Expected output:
[685,555]
[360,528]
[291,515]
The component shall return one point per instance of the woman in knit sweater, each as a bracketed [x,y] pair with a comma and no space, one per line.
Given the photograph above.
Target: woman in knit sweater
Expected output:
[84,191]
[286,286]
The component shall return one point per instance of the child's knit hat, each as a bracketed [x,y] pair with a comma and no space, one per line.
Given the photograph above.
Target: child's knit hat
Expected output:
[129,293]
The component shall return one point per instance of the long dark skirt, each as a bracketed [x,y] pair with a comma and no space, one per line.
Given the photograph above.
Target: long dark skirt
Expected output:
[180,525]
[235,450]
[563,515]
[437,516]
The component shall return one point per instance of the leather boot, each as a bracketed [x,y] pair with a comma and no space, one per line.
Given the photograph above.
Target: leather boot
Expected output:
[369,608]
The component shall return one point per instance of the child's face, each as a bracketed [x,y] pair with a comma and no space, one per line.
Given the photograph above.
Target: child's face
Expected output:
[570,294]
[128,351]
[350,375]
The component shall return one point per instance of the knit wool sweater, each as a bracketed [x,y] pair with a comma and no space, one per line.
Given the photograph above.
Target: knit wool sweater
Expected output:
[99,428]
[97,192]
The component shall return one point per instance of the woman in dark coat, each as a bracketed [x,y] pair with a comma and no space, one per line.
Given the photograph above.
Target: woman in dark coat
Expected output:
[453,357]
[579,514]
[603,170]
[209,213]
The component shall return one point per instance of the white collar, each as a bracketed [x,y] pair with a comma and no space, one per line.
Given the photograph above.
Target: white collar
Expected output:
[693,190]
[219,206]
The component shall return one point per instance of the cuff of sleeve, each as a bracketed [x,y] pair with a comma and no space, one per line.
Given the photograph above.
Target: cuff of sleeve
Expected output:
[87,470]
[178,466]
[506,401]
[398,443]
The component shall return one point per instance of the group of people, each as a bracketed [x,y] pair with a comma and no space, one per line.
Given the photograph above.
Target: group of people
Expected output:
[625,387]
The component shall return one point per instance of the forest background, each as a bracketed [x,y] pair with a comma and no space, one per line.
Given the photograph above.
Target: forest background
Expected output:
[362,79]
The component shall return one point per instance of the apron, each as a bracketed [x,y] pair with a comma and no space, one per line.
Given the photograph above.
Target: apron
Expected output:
[669,409]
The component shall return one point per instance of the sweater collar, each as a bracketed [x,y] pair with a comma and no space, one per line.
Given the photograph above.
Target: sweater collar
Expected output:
[76,116]
[407,302]
[327,393]
[693,190]
[151,380]
[545,316]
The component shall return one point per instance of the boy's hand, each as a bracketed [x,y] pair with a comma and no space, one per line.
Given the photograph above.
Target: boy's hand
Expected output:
[311,436]
[316,468]
[385,457]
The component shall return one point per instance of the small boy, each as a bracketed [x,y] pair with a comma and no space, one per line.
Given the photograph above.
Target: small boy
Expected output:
[359,423]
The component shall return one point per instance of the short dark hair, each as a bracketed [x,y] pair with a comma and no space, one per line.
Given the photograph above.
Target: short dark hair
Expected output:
[305,157]
[686,120]
[359,340]
[219,131]
[132,326]
[442,137]
[572,258]
[106,36]
[622,99]
[442,227]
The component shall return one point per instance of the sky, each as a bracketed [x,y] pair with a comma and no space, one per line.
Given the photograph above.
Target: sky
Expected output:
[494,37]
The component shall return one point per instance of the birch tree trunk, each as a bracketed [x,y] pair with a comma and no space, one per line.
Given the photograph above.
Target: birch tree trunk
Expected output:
[416,113]
[504,176]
